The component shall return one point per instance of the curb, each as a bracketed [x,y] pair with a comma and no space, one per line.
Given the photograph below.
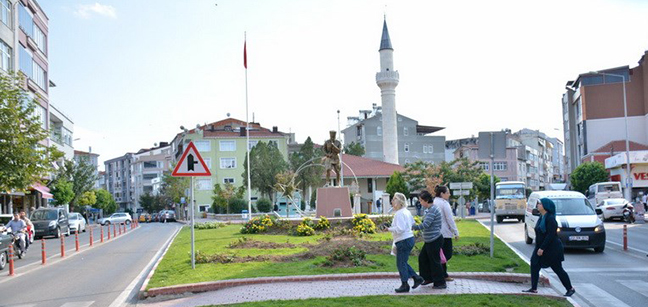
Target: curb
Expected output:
[217,285]
[142,290]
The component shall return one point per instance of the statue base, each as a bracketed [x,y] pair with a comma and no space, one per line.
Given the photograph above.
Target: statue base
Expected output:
[333,202]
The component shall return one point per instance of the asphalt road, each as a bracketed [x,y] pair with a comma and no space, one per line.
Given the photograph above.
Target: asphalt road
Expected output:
[97,276]
[613,278]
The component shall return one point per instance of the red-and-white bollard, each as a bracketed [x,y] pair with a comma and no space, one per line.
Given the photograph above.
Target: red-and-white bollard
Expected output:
[102,233]
[114,231]
[108,232]
[91,239]
[62,246]
[76,240]
[625,237]
[11,260]
[120,227]
[43,251]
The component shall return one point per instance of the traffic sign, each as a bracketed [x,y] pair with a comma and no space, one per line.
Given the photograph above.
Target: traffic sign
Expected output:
[191,164]
[461,185]
[460,192]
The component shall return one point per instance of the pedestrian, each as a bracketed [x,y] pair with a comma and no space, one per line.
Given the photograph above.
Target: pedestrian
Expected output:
[430,257]
[418,207]
[378,203]
[644,200]
[548,251]
[275,208]
[401,229]
[449,228]
[454,208]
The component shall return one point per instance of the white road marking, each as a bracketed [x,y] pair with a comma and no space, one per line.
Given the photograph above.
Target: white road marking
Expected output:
[638,286]
[28,305]
[598,296]
[78,304]
[632,248]
[592,270]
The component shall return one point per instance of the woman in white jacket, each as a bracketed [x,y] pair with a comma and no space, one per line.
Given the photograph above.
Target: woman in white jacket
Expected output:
[448,227]
[401,229]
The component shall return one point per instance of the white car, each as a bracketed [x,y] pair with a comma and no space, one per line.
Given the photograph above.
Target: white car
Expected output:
[116,218]
[76,222]
[612,207]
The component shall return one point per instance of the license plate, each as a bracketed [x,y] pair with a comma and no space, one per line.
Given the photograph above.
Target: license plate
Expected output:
[39,230]
[578,238]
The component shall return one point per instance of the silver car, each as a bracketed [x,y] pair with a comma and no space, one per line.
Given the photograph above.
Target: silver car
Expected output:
[116,218]
[77,222]
[612,207]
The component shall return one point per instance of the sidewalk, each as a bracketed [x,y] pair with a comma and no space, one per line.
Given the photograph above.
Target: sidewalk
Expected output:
[333,288]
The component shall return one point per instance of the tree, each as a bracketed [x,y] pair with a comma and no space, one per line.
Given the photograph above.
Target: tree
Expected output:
[88,199]
[173,190]
[395,184]
[24,160]
[223,196]
[81,174]
[266,161]
[482,185]
[354,149]
[105,201]
[587,174]
[148,202]
[306,163]
[416,173]
[63,192]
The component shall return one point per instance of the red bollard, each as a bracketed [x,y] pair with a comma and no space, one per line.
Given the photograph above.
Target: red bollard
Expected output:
[43,251]
[102,233]
[120,226]
[625,237]
[11,260]
[108,231]
[91,239]
[62,246]
[114,231]
[76,240]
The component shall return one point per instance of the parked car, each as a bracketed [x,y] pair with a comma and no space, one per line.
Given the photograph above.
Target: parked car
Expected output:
[155,217]
[50,222]
[77,222]
[116,218]
[167,215]
[5,241]
[578,223]
[612,208]
[142,218]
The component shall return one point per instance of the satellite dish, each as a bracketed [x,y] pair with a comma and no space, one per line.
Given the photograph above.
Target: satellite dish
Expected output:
[228,115]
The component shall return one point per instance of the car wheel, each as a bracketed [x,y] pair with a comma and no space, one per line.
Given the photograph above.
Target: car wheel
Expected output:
[500,219]
[84,228]
[106,223]
[599,249]
[58,233]
[127,222]
[527,239]
[3,260]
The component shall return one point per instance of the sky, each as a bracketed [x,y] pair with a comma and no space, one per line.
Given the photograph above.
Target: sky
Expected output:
[130,73]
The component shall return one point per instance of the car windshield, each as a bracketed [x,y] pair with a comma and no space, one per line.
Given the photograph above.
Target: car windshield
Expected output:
[573,206]
[72,217]
[43,215]
[608,188]
[509,191]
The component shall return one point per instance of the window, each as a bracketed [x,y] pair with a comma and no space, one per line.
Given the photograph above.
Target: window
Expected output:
[40,39]
[405,131]
[228,180]
[379,130]
[499,166]
[226,163]
[428,149]
[148,189]
[25,20]
[204,184]
[369,185]
[273,143]
[26,62]
[67,137]
[406,147]
[5,56]
[39,76]
[400,119]
[227,146]
[203,145]
[407,161]
[484,165]
[149,176]
[251,144]
[41,113]
[150,164]
[5,14]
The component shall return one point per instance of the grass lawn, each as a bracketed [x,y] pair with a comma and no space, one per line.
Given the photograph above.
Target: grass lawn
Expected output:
[175,267]
[463,300]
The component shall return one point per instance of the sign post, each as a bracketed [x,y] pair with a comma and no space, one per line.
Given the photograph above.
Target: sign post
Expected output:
[492,145]
[464,190]
[191,164]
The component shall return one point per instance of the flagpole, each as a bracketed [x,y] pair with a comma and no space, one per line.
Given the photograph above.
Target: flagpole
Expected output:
[247,130]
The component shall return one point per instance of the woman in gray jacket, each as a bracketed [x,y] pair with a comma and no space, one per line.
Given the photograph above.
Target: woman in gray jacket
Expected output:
[430,258]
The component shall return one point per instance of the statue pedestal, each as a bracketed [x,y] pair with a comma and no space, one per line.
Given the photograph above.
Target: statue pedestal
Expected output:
[333,202]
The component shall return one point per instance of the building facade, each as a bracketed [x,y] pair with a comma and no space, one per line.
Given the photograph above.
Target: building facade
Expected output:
[593,111]
[414,141]
[222,145]
[148,167]
[119,181]
[542,154]
[61,132]
[92,159]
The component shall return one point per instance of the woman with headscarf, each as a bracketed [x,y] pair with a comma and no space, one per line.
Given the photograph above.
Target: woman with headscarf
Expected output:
[401,229]
[549,250]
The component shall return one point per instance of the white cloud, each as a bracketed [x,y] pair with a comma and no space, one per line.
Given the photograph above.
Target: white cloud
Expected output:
[87,10]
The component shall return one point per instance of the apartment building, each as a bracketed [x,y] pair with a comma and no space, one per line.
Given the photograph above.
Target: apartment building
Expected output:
[119,181]
[148,167]
[93,159]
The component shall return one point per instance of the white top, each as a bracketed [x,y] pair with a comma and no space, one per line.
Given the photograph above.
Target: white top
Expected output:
[448,226]
[401,227]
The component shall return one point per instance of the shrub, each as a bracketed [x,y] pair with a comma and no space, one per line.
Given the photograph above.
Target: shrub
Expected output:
[471,249]
[307,221]
[323,224]
[257,225]
[208,225]
[362,224]
[304,230]
[351,254]
[264,205]
[236,205]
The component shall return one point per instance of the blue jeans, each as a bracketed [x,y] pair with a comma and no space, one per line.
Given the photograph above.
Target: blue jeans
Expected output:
[403,249]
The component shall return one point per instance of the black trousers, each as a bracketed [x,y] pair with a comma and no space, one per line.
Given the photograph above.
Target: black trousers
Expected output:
[556,267]
[430,262]
[447,252]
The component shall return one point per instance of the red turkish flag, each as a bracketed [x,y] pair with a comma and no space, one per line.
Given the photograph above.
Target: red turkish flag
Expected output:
[245,54]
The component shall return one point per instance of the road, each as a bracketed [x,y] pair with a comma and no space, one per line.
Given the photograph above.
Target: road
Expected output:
[99,276]
[613,278]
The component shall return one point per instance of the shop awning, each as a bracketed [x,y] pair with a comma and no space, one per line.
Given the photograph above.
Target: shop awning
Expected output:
[43,190]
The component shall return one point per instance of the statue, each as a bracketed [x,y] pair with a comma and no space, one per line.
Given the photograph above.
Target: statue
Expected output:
[332,148]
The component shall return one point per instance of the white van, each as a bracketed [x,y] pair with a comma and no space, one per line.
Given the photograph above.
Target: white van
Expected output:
[579,225]
[604,190]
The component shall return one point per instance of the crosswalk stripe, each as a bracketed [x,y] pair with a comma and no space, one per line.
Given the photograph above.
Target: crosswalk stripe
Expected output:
[78,304]
[598,296]
[638,286]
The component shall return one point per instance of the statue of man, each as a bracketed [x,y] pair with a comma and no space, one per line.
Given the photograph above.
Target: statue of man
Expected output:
[332,149]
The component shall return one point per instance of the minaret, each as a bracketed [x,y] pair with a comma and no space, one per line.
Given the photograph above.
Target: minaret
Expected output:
[387,80]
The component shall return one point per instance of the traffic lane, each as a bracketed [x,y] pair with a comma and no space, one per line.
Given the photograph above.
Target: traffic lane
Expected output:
[637,235]
[53,245]
[99,275]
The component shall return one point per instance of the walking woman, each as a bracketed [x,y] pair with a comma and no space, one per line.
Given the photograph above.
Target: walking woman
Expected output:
[401,230]
[549,250]
[448,227]
[430,257]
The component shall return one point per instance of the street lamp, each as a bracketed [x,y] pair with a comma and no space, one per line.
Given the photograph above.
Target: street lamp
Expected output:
[628,183]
